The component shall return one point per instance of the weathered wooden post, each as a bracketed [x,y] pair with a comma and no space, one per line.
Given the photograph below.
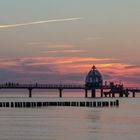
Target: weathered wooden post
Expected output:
[109,94]
[133,93]
[120,94]
[94,104]
[86,93]
[113,94]
[117,103]
[126,93]
[93,93]
[30,92]
[60,92]
[101,92]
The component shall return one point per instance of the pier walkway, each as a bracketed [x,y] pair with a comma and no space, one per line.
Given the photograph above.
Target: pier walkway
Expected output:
[106,90]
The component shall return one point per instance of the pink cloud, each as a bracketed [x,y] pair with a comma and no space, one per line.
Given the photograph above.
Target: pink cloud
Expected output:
[63,51]
[116,71]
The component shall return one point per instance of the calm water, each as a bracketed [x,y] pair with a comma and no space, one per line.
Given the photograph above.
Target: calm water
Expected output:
[70,123]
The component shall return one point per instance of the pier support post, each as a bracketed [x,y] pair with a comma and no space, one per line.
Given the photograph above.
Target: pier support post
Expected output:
[86,93]
[105,94]
[101,92]
[93,93]
[126,93]
[120,94]
[113,94]
[30,92]
[60,93]
[133,94]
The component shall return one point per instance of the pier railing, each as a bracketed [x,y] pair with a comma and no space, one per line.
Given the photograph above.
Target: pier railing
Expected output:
[70,86]
[112,89]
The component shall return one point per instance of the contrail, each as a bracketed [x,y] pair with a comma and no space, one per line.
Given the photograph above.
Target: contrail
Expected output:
[37,22]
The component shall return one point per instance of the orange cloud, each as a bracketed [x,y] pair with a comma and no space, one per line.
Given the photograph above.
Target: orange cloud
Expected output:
[34,61]
[126,73]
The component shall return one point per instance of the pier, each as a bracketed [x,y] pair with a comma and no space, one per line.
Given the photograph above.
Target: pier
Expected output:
[105,90]
[93,82]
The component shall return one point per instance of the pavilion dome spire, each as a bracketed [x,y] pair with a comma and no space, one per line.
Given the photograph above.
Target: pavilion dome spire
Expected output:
[93,67]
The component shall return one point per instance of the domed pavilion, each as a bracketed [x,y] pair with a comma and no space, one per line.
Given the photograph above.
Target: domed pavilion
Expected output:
[93,79]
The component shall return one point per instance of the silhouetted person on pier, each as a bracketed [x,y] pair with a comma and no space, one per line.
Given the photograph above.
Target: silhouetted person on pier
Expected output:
[9,84]
[12,84]
[36,84]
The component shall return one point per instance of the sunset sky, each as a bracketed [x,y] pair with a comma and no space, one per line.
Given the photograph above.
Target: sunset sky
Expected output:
[53,41]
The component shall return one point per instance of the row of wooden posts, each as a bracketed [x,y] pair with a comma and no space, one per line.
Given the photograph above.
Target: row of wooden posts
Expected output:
[60,103]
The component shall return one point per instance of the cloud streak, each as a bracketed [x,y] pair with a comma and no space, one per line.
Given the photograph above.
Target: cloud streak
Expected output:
[64,51]
[38,22]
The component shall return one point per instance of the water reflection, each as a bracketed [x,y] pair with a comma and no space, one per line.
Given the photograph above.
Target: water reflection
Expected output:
[70,123]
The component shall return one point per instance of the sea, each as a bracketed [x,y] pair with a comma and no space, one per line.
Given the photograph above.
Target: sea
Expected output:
[69,123]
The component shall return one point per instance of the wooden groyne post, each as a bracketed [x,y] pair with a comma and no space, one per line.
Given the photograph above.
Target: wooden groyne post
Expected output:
[36,104]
